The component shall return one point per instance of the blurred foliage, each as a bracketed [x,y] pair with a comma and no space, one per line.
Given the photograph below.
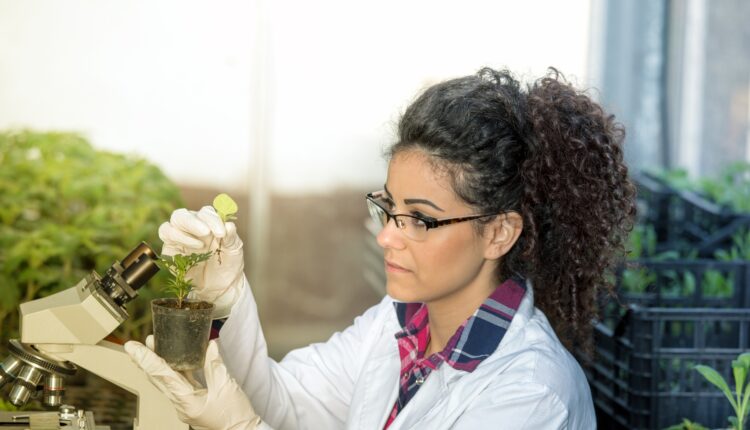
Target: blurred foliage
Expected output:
[731,189]
[740,249]
[67,209]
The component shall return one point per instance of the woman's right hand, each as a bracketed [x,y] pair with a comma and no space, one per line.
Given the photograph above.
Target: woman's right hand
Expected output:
[220,279]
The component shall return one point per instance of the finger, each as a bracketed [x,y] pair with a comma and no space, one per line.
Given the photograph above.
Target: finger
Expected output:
[208,215]
[232,240]
[166,379]
[189,222]
[173,249]
[214,369]
[171,235]
[150,342]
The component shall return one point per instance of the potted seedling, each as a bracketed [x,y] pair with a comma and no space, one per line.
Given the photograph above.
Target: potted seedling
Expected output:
[181,325]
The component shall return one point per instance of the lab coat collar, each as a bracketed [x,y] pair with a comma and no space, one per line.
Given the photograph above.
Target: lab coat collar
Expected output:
[439,390]
[480,334]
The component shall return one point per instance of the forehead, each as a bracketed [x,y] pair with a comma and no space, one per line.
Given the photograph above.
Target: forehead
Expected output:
[415,174]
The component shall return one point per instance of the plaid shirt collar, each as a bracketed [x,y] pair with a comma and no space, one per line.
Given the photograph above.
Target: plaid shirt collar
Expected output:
[474,340]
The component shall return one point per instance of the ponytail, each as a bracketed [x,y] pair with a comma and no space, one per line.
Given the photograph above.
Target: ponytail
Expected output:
[578,204]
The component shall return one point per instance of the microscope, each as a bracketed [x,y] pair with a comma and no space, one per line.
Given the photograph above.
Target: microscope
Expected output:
[66,330]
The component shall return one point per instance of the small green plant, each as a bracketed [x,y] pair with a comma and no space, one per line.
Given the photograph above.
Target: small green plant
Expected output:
[178,265]
[686,424]
[226,208]
[739,398]
[641,245]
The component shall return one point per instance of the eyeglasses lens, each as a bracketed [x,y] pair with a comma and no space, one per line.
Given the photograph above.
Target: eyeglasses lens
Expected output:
[411,227]
[377,213]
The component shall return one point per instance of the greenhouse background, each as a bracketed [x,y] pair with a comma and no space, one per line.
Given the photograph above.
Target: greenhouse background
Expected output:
[288,106]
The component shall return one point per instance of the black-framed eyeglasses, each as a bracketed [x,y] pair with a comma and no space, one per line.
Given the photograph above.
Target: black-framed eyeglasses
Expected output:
[413,226]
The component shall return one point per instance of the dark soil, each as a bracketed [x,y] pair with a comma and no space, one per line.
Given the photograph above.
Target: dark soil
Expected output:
[186,304]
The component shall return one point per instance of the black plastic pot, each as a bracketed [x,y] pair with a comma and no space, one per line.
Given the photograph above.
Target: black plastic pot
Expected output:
[181,334]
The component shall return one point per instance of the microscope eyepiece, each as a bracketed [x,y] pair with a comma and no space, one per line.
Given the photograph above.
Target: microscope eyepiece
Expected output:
[122,280]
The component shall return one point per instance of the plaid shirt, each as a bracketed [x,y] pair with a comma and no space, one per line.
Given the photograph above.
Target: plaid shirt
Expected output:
[476,339]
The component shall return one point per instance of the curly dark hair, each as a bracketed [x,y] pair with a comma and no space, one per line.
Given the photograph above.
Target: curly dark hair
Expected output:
[550,153]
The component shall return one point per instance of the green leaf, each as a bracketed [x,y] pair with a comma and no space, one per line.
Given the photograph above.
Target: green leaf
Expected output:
[713,377]
[743,406]
[686,424]
[225,206]
[740,372]
[734,422]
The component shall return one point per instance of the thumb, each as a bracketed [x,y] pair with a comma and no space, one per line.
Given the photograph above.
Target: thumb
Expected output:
[167,380]
[150,342]
[214,369]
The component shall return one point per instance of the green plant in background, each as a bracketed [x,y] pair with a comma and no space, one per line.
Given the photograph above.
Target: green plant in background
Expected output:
[731,189]
[676,178]
[642,244]
[178,265]
[740,249]
[739,398]
[715,284]
[67,209]
[686,424]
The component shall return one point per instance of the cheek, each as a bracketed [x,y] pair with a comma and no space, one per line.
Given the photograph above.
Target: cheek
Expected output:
[450,264]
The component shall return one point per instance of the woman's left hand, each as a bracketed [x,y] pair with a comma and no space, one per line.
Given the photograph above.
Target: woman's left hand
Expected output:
[221,405]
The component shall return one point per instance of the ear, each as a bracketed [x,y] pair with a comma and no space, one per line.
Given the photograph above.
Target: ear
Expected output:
[501,234]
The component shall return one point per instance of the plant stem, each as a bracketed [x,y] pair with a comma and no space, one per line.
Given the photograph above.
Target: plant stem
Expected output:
[218,250]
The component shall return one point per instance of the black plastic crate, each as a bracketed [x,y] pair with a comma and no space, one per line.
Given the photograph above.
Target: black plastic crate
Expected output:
[701,283]
[684,220]
[643,376]
[653,199]
[685,283]
[703,225]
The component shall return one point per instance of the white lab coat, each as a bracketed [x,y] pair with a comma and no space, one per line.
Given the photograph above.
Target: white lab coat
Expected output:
[351,381]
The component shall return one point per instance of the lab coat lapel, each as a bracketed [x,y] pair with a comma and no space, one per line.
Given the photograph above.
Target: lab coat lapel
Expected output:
[429,396]
[378,387]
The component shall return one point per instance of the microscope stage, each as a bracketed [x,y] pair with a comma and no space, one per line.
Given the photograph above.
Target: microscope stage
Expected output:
[46,421]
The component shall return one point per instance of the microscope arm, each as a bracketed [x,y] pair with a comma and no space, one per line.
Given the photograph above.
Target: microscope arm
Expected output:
[109,361]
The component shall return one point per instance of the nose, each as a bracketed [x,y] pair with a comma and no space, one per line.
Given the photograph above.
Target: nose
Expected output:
[390,236]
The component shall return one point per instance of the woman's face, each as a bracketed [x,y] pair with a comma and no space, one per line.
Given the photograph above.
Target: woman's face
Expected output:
[450,261]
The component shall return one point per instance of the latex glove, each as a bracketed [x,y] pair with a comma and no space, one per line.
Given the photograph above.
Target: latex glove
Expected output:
[221,405]
[197,232]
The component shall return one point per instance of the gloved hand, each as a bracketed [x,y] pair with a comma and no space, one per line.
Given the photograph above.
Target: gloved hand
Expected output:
[221,405]
[220,283]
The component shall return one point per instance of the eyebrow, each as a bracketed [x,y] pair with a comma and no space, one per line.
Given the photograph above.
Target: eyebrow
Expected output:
[414,201]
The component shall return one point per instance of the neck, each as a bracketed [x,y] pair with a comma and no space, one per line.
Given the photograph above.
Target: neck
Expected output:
[448,313]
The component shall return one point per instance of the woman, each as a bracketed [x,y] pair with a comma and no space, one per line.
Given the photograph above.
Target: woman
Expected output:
[503,211]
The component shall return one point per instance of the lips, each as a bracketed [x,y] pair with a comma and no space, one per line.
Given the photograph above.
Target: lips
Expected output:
[393,267]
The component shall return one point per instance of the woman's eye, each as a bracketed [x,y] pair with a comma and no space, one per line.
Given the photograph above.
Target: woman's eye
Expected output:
[417,222]
[418,219]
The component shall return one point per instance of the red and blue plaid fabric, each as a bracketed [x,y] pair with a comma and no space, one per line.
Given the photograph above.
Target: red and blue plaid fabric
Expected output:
[476,339]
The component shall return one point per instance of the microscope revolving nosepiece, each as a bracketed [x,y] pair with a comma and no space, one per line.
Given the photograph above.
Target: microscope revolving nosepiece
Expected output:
[28,366]
[9,370]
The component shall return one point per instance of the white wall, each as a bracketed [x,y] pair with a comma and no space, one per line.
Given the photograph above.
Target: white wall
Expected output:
[174,80]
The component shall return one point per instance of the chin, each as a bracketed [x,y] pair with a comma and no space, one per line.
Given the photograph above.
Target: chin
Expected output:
[402,293]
